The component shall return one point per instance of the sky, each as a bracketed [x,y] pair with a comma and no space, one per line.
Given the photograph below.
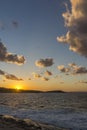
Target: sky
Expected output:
[43,44]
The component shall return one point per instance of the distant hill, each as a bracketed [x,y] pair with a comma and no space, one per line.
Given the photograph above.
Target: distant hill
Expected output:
[9,90]
[6,90]
[55,91]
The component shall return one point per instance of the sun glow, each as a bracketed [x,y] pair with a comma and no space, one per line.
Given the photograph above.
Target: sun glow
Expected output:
[18,87]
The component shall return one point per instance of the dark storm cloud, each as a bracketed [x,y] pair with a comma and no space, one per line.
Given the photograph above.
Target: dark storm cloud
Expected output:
[76,22]
[5,56]
[44,62]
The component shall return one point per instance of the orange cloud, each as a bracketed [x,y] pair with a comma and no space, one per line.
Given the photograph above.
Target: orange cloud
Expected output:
[44,62]
[73,69]
[9,76]
[48,73]
[45,78]
[36,75]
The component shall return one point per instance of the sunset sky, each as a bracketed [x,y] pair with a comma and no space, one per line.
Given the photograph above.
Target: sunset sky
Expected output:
[43,44]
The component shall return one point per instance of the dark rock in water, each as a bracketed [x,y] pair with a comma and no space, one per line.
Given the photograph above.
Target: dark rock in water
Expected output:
[26,124]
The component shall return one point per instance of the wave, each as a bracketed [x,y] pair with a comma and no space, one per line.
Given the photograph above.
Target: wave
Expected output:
[66,117]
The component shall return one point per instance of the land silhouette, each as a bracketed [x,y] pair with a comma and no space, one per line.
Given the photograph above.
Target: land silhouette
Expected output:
[10,90]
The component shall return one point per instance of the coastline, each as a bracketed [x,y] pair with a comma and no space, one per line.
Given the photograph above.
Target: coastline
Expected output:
[11,123]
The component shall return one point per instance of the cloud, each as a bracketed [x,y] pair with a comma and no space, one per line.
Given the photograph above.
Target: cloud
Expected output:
[5,56]
[48,73]
[62,82]
[29,79]
[12,77]
[72,69]
[2,72]
[79,70]
[45,78]
[36,75]
[58,76]
[9,76]
[76,22]
[63,69]
[83,82]
[15,24]
[72,65]
[44,62]
[4,80]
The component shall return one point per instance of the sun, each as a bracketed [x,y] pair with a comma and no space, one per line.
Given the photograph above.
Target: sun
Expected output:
[18,87]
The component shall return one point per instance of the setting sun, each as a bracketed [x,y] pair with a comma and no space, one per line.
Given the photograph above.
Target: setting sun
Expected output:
[18,87]
[43,64]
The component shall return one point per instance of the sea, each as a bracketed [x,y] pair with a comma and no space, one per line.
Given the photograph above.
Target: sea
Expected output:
[66,110]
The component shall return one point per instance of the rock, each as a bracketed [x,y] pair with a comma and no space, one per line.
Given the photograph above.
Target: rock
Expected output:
[12,123]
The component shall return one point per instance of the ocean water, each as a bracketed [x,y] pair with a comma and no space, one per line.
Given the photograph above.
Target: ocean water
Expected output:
[68,110]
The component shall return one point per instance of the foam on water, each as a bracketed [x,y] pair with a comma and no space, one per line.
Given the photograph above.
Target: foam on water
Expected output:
[57,110]
[66,118]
